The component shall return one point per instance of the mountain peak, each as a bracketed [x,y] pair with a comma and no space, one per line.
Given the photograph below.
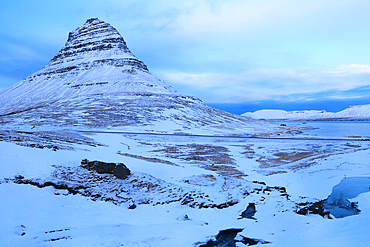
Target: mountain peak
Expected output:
[94,38]
[94,60]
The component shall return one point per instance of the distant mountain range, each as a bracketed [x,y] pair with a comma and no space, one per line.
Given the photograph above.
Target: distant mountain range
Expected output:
[360,112]
[95,81]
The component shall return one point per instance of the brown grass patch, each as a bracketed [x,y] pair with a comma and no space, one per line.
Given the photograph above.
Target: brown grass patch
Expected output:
[224,170]
[196,153]
[209,157]
[201,180]
[283,158]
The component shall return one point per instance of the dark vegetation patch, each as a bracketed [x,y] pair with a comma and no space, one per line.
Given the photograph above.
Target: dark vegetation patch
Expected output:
[61,140]
[209,157]
[195,153]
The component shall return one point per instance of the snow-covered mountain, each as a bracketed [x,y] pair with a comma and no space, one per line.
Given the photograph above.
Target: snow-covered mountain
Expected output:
[96,82]
[360,112]
[95,59]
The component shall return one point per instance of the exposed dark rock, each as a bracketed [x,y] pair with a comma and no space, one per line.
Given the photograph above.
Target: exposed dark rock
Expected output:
[121,171]
[20,230]
[71,190]
[189,200]
[183,218]
[118,170]
[314,208]
[226,238]
[19,177]
[252,241]
[249,211]
[102,167]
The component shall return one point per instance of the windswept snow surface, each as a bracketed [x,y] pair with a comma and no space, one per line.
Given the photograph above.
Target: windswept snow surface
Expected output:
[173,180]
[359,112]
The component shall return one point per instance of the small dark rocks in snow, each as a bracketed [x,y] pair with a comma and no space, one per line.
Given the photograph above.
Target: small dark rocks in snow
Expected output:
[20,230]
[314,208]
[183,218]
[119,170]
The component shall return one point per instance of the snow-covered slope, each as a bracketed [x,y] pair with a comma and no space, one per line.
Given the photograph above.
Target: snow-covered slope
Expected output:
[96,82]
[360,112]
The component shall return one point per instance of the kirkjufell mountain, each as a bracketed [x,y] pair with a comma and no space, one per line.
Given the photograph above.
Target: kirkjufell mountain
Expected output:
[95,81]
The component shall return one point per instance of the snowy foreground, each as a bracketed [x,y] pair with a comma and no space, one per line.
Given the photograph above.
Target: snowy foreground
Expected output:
[182,190]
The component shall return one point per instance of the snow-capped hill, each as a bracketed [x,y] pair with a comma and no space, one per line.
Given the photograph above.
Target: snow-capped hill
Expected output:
[95,81]
[360,112]
[281,114]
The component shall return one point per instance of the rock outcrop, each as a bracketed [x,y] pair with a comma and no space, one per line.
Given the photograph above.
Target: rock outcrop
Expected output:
[119,170]
[249,212]
[230,238]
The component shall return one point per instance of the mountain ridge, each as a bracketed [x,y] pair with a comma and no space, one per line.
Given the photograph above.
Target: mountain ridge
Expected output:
[358,112]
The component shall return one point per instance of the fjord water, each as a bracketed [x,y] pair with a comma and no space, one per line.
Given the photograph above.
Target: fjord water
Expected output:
[332,129]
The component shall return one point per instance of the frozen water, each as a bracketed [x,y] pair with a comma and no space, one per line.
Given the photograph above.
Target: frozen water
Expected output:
[338,202]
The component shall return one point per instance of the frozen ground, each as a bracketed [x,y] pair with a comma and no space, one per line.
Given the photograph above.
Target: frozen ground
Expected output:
[185,188]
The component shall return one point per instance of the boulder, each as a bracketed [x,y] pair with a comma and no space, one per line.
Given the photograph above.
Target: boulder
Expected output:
[104,168]
[118,170]
[121,171]
[249,211]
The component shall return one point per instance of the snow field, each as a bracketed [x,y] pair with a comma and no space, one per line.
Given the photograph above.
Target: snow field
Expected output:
[74,220]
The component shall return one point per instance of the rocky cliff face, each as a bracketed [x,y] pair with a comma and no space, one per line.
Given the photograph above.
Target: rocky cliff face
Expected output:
[95,81]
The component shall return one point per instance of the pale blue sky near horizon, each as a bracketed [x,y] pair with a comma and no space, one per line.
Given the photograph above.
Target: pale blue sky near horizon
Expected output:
[237,55]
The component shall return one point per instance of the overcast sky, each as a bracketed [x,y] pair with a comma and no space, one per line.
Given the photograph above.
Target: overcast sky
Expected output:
[249,54]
